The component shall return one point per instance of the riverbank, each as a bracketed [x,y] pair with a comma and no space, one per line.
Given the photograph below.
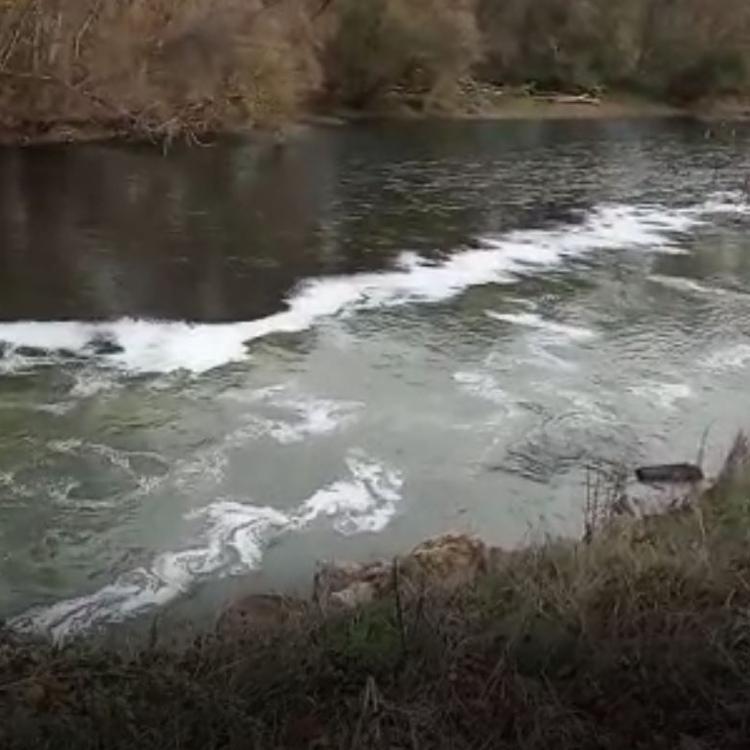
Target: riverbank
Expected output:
[489,103]
[499,107]
[175,70]
[635,637]
[56,133]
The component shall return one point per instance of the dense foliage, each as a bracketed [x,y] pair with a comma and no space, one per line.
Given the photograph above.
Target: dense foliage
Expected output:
[180,66]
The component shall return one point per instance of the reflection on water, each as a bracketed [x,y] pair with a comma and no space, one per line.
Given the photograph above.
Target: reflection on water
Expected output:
[223,233]
[229,361]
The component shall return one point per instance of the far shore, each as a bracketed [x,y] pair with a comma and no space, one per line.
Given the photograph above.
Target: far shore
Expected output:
[519,107]
[510,107]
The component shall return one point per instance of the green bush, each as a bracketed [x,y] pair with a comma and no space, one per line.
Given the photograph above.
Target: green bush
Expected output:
[422,45]
[716,72]
[684,49]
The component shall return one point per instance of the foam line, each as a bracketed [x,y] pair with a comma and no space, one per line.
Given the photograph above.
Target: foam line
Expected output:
[165,346]
[531,320]
[232,541]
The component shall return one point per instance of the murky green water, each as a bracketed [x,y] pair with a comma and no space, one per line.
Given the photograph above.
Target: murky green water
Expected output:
[226,363]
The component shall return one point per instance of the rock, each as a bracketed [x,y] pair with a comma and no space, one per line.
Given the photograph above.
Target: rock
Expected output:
[260,613]
[31,351]
[104,346]
[67,354]
[669,474]
[348,585]
[446,562]
[657,499]
[354,595]
[36,352]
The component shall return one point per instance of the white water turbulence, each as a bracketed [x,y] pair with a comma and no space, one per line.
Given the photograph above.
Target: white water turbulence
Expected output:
[366,502]
[665,395]
[531,320]
[482,385]
[150,346]
[690,286]
[231,541]
[728,358]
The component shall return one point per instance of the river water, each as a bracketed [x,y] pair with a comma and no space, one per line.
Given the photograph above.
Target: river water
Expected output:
[223,364]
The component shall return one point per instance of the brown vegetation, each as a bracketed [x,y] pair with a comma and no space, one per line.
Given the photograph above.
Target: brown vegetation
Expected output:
[635,638]
[424,46]
[680,49]
[165,67]
[153,67]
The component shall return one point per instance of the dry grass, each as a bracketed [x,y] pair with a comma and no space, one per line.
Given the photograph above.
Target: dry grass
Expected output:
[639,638]
[165,68]
[157,68]
[423,47]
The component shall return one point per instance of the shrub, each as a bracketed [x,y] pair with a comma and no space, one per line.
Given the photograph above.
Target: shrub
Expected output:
[426,46]
[164,67]
[154,65]
[680,48]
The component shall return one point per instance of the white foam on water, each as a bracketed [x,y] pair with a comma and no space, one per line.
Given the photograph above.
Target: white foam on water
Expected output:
[532,320]
[482,385]
[59,409]
[313,417]
[583,403]
[165,346]
[727,202]
[546,359]
[232,539]
[695,287]
[92,383]
[69,335]
[205,468]
[67,446]
[310,417]
[118,457]
[233,527]
[364,503]
[683,284]
[208,468]
[606,227]
[128,595]
[664,395]
[728,358]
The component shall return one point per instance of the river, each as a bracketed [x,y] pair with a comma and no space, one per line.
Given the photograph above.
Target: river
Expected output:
[222,364]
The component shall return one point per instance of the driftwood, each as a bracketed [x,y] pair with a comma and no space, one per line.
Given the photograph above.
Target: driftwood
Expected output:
[669,474]
[569,99]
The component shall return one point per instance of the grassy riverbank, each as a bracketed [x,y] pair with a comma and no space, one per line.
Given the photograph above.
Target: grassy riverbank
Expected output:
[637,638]
[159,70]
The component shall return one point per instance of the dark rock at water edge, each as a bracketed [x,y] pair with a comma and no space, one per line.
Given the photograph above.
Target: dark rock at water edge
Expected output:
[37,352]
[32,352]
[449,561]
[68,354]
[104,346]
[669,474]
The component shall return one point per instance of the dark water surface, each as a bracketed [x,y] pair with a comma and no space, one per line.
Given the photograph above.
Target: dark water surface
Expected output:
[225,363]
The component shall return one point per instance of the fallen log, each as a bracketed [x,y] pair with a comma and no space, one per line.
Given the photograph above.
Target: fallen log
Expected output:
[669,474]
[569,99]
